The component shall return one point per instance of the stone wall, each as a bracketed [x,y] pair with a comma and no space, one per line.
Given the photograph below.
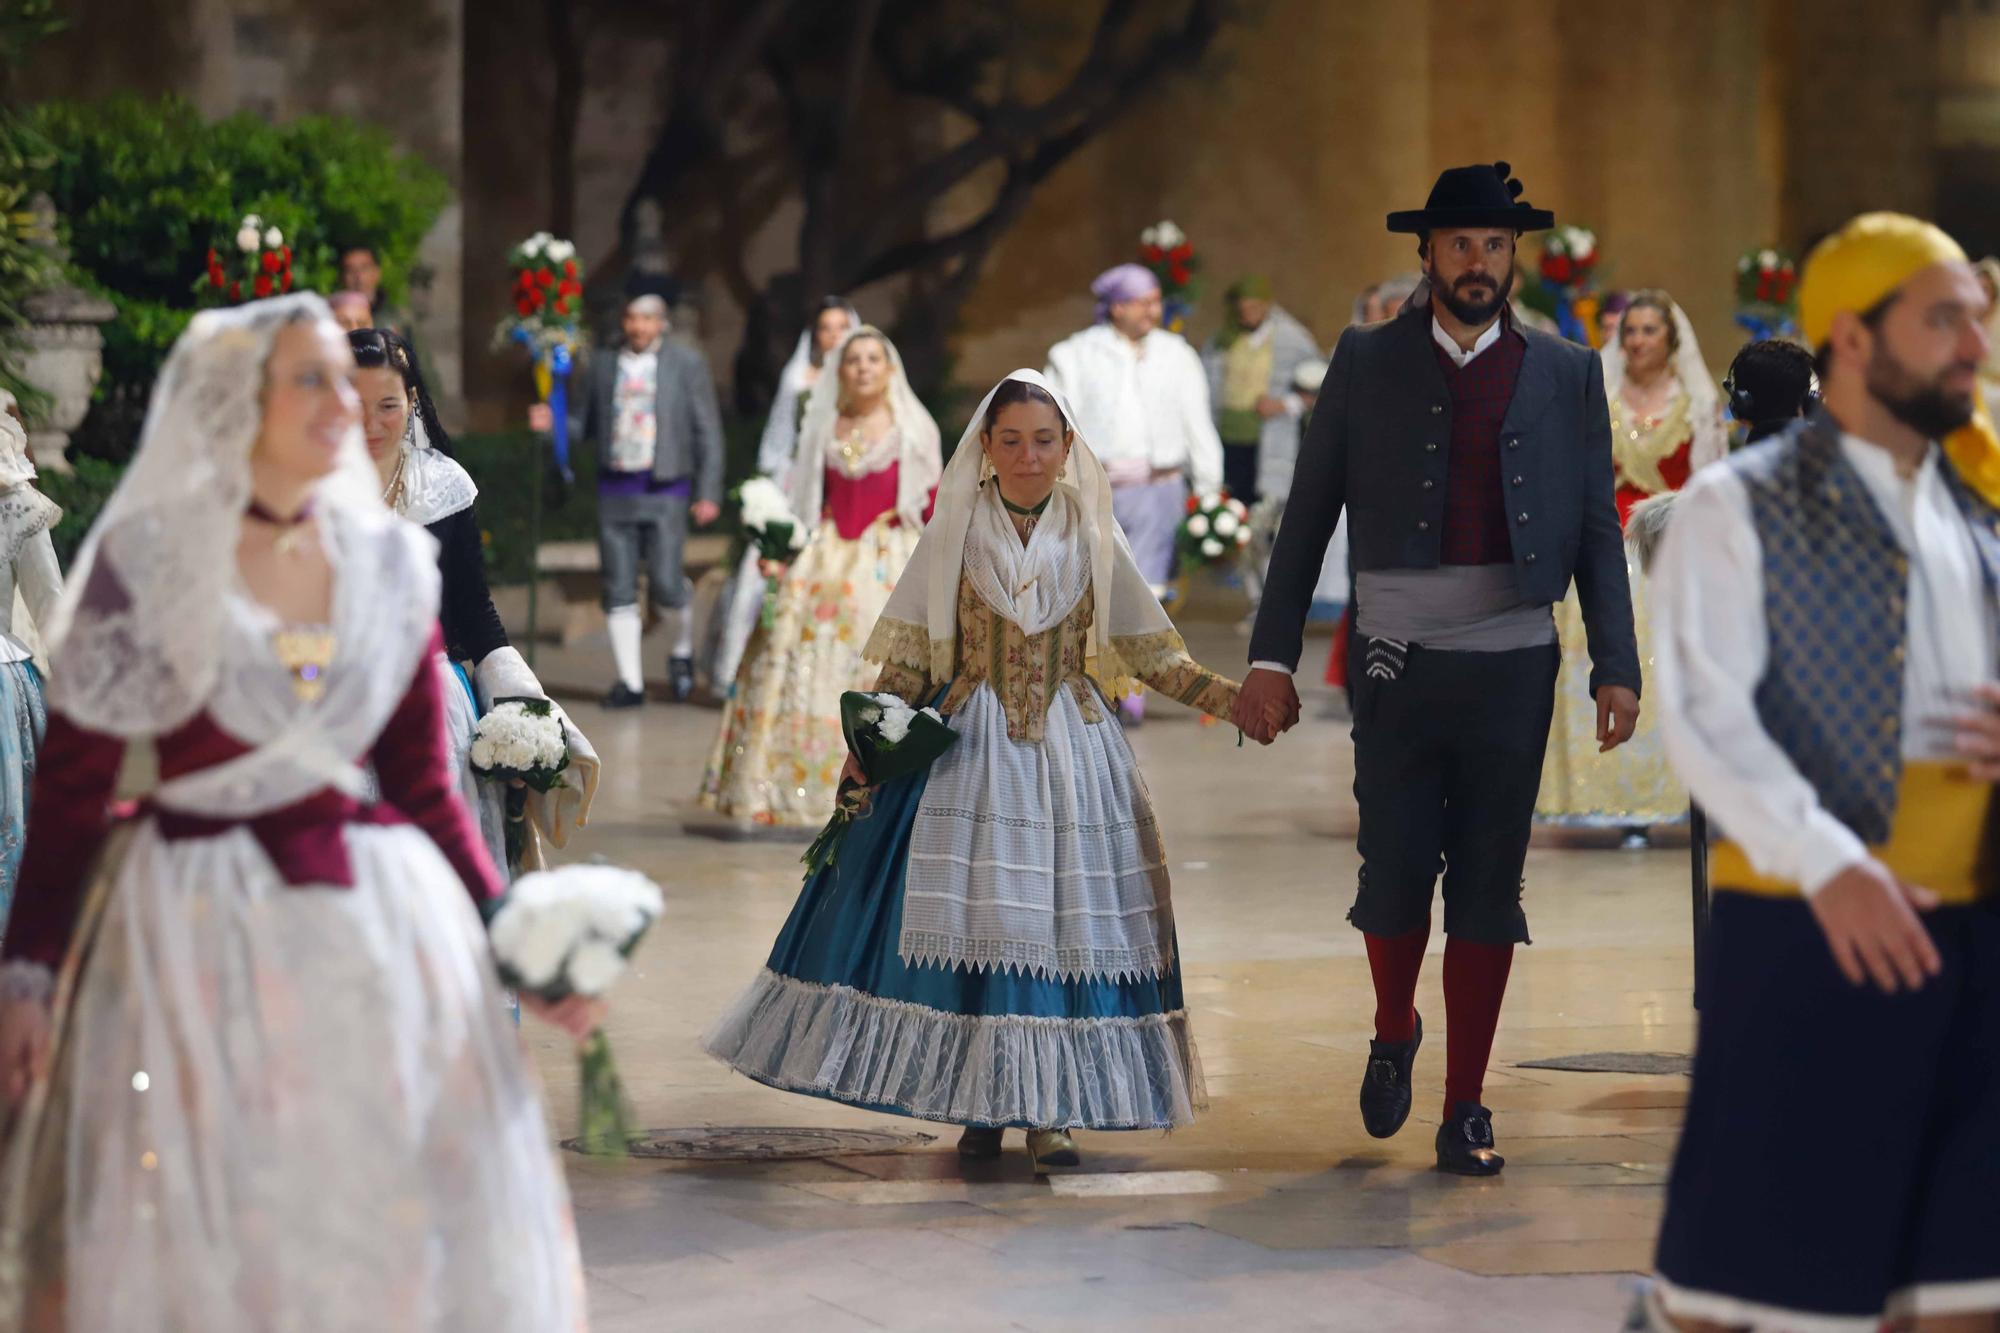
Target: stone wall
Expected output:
[393,63]
[1682,133]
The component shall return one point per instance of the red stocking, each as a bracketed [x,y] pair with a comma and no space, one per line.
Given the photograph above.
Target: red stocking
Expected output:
[1394,962]
[1475,981]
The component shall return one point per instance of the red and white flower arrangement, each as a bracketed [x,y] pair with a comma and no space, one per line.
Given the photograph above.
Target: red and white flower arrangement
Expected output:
[1216,527]
[1569,256]
[1165,249]
[1766,278]
[254,263]
[546,294]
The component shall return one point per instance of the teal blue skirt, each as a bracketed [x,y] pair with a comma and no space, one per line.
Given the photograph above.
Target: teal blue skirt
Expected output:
[837,1013]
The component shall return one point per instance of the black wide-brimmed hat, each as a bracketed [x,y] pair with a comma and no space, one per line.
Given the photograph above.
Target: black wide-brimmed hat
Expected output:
[1481,196]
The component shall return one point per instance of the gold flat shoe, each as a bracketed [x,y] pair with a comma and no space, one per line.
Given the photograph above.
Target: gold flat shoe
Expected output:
[1052,1147]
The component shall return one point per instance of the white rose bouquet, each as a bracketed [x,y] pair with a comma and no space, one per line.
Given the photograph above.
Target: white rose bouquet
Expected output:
[566,932]
[1217,526]
[770,525]
[890,738]
[520,741]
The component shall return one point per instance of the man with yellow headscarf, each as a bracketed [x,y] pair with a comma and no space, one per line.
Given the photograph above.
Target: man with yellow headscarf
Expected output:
[1825,620]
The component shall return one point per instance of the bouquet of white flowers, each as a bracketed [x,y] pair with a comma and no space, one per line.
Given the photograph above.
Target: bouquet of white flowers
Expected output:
[1217,525]
[520,741]
[891,739]
[569,932]
[772,527]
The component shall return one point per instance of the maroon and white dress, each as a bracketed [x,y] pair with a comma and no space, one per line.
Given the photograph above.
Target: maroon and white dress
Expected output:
[285,1091]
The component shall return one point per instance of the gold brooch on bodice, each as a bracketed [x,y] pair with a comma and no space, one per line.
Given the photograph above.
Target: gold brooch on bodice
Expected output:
[305,655]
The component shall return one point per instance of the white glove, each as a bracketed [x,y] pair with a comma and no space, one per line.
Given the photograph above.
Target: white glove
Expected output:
[559,812]
[503,674]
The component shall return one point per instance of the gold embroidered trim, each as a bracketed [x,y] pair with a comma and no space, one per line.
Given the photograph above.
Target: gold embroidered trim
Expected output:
[898,643]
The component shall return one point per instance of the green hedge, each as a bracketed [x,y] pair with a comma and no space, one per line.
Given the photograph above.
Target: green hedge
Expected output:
[144,187]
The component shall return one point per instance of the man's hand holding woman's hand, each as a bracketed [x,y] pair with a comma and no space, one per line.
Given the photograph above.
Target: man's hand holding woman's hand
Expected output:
[1266,705]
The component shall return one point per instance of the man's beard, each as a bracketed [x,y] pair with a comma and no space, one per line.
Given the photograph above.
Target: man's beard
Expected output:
[1468,310]
[1930,409]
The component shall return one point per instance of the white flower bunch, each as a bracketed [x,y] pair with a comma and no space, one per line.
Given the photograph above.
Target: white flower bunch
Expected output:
[515,739]
[250,234]
[1163,234]
[1767,259]
[537,246]
[569,931]
[1226,523]
[764,505]
[273,238]
[1197,525]
[891,718]
[1212,548]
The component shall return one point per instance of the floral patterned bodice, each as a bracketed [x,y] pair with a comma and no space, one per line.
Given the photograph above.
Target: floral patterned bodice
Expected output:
[1026,671]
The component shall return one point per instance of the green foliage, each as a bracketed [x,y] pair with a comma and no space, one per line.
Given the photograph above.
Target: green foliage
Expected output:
[81,494]
[502,467]
[146,187]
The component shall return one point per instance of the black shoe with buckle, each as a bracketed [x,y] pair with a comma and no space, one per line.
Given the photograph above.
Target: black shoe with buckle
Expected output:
[1385,1088]
[622,695]
[680,678]
[1465,1142]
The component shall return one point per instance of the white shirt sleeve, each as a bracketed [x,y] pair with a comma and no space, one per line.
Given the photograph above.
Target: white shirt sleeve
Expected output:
[1710,647]
[1204,445]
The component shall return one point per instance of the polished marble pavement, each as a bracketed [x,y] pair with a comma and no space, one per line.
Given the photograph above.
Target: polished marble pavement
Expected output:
[1274,1211]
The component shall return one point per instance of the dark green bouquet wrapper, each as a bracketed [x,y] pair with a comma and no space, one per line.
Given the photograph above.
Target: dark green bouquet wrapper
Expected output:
[882,759]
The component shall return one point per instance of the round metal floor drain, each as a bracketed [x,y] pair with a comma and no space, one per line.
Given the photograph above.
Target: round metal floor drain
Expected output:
[763,1143]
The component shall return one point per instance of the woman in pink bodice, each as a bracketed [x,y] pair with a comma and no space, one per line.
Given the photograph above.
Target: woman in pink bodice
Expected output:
[866,472]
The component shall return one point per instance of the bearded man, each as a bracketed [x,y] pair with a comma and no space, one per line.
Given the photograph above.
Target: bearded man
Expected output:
[1473,459]
[1826,650]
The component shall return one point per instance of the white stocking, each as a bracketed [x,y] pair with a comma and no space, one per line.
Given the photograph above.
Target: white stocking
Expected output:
[626,629]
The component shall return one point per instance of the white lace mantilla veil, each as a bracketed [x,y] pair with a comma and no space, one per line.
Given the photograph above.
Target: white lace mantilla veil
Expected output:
[135,639]
[919,458]
[1123,604]
[801,356]
[1711,440]
[435,486]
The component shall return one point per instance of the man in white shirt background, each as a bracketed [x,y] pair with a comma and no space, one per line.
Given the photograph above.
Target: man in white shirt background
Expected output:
[1825,618]
[1141,396]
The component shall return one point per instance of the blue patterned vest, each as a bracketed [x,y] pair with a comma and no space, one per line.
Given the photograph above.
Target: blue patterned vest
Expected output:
[1835,586]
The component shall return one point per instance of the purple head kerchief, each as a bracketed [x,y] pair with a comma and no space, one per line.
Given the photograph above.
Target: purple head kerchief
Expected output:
[1127,282]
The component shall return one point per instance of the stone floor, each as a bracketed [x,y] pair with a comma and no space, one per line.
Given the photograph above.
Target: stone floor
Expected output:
[1275,1210]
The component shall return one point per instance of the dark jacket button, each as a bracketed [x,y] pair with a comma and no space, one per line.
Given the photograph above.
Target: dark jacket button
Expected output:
[1530,557]
[1521,518]
[1423,525]
[1429,484]
[1517,481]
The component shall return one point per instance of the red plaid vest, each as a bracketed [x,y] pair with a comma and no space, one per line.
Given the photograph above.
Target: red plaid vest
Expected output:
[1475,507]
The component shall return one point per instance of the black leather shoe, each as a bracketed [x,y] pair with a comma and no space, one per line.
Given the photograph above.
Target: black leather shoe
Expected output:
[622,695]
[1385,1088]
[979,1143]
[1465,1142]
[680,678]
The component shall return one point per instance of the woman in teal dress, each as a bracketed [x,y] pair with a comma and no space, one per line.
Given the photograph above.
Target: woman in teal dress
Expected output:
[994,945]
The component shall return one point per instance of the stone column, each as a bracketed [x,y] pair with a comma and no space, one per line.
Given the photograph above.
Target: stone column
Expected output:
[64,349]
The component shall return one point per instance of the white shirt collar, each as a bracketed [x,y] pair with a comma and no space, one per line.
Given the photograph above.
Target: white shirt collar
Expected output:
[1459,356]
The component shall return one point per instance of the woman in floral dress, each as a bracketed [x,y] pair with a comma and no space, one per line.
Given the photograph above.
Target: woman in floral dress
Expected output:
[993,945]
[867,467]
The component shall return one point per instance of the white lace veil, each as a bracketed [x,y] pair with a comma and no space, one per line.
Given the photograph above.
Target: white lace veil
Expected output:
[802,351]
[1711,440]
[435,486]
[134,639]
[958,495]
[920,462]
[16,466]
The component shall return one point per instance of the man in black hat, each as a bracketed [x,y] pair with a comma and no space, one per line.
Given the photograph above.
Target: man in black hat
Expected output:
[1473,458]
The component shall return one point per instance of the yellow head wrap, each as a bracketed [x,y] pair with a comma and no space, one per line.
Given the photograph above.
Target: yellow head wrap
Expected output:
[1866,260]
[1859,265]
